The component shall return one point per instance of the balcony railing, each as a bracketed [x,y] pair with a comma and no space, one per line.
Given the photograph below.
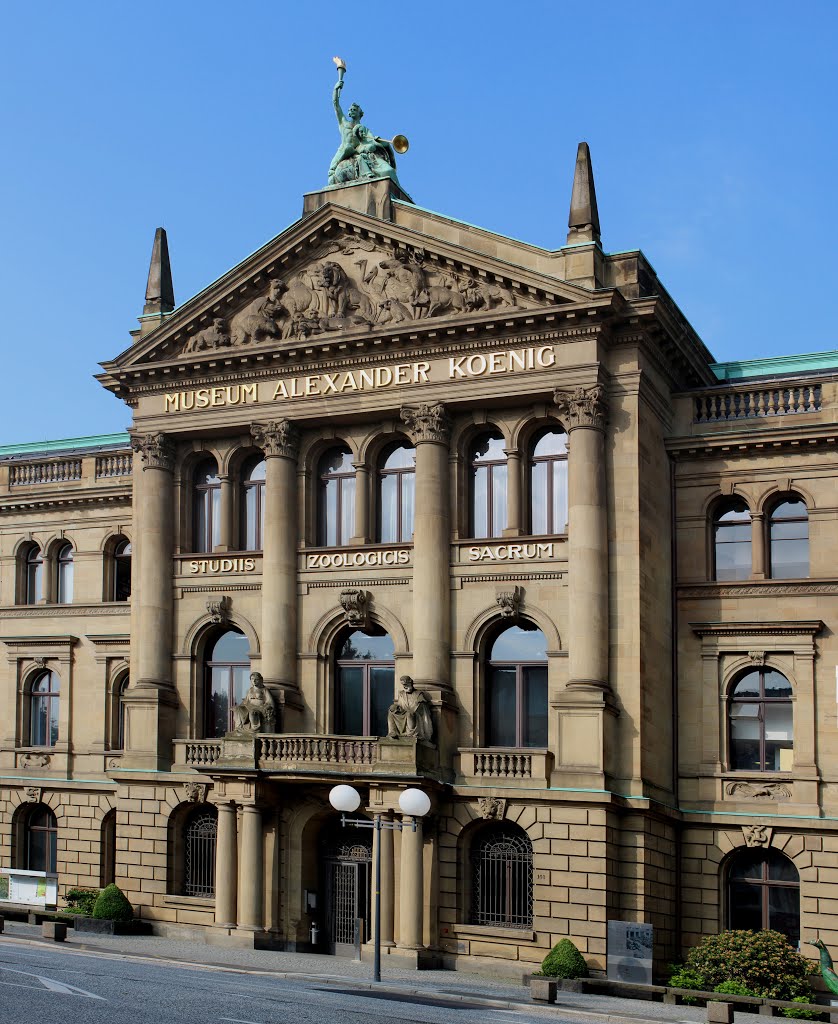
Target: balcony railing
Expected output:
[197,753]
[118,464]
[25,474]
[315,750]
[754,403]
[515,766]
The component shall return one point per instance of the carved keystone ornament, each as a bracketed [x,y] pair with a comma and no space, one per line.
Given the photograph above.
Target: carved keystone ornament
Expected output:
[33,794]
[757,835]
[491,808]
[509,602]
[219,610]
[355,606]
[195,792]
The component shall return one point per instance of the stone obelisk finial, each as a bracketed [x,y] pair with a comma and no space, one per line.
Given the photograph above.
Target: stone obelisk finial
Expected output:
[159,292]
[583,222]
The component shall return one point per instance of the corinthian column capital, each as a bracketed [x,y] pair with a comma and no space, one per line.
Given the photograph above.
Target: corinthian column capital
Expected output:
[157,451]
[584,407]
[426,422]
[279,437]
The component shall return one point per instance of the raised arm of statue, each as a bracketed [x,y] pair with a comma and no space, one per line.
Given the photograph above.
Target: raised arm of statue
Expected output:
[336,100]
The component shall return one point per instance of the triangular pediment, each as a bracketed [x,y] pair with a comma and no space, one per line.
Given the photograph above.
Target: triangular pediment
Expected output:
[338,273]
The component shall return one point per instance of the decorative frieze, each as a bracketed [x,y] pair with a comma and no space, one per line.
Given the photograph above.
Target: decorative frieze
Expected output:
[277,438]
[759,790]
[157,451]
[584,407]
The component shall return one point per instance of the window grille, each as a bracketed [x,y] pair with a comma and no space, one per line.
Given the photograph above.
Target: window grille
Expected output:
[200,839]
[502,879]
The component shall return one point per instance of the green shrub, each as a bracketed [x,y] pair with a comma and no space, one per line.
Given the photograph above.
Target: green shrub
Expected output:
[801,1014]
[111,905]
[682,976]
[81,901]
[733,988]
[564,961]
[763,962]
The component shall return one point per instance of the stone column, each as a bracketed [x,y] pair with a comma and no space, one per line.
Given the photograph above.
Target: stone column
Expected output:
[251,870]
[411,885]
[279,441]
[151,656]
[362,504]
[226,866]
[428,426]
[584,412]
[513,493]
[759,568]
[385,884]
[226,541]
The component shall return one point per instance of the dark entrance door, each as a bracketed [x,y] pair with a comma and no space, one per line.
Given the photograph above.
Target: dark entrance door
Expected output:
[347,864]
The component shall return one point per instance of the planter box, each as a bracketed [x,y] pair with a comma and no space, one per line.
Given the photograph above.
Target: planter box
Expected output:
[99,926]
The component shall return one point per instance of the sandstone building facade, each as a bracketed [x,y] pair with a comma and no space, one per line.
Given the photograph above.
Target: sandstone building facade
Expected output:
[392,444]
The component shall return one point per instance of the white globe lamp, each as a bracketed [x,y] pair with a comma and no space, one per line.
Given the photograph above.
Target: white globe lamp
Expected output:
[345,798]
[413,802]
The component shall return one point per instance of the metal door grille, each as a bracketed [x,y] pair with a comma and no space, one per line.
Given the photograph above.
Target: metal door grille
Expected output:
[502,879]
[344,894]
[348,865]
[200,839]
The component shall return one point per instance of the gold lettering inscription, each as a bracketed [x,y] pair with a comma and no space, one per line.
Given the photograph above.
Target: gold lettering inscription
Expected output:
[509,552]
[356,559]
[221,565]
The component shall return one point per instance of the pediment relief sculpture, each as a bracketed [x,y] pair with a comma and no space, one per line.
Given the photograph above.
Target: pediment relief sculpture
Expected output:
[353,284]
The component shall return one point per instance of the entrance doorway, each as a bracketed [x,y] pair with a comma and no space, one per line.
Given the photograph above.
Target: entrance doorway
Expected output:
[347,863]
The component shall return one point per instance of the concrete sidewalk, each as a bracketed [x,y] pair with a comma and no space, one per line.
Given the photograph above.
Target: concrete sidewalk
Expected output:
[456,985]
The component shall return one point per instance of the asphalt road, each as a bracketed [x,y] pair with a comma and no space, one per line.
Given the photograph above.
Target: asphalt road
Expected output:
[57,986]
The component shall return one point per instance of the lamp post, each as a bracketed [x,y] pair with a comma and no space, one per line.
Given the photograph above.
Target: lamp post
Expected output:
[412,802]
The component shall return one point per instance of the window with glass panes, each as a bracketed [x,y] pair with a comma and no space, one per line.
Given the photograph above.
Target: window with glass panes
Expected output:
[206,507]
[34,584]
[396,494]
[763,891]
[516,689]
[788,540]
[732,542]
[64,574]
[227,670]
[548,483]
[122,570]
[43,710]
[253,485]
[336,505]
[488,471]
[365,683]
[41,840]
[760,718]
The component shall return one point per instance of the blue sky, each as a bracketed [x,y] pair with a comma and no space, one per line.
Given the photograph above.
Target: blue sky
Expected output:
[711,126]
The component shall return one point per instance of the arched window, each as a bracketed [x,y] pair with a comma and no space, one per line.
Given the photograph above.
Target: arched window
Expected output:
[732,541]
[788,540]
[548,483]
[227,670]
[763,891]
[396,494]
[107,850]
[43,710]
[33,591]
[64,574]
[40,840]
[760,714]
[365,675]
[253,485]
[487,505]
[199,837]
[121,589]
[206,507]
[516,689]
[336,504]
[501,877]
[119,697]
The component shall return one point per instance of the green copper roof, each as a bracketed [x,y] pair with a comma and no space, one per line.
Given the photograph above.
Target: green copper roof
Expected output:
[776,366]
[67,444]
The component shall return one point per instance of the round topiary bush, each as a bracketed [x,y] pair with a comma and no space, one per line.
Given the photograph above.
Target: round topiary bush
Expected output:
[111,905]
[765,963]
[564,961]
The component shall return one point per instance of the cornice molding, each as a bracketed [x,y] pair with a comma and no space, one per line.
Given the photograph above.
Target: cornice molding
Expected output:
[84,499]
[756,589]
[788,627]
[51,611]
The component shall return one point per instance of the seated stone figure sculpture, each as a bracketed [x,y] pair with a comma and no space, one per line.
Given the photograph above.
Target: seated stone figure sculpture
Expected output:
[360,154]
[410,715]
[257,711]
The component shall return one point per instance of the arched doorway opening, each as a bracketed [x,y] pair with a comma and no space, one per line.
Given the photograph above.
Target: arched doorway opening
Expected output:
[346,860]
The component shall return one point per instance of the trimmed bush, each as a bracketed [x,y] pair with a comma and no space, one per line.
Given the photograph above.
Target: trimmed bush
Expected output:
[111,905]
[801,1014]
[765,963]
[733,988]
[564,961]
[81,901]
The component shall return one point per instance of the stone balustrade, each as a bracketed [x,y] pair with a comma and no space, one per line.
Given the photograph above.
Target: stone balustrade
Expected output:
[755,402]
[522,766]
[28,474]
[115,464]
[198,754]
[320,750]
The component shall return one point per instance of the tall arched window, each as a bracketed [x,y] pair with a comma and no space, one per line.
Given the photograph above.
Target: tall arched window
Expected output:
[760,715]
[501,877]
[336,503]
[199,839]
[206,507]
[227,668]
[396,494]
[43,710]
[33,591]
[548,483]
[763,891]
[788,540]
[121,589]
[732,541]
[107,850]
[253,485]
[487,506]
[365,677]
[516,689]
[64,574]
[40,840]
[119,725]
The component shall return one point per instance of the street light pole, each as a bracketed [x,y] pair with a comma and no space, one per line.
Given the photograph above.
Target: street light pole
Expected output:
[412,802]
